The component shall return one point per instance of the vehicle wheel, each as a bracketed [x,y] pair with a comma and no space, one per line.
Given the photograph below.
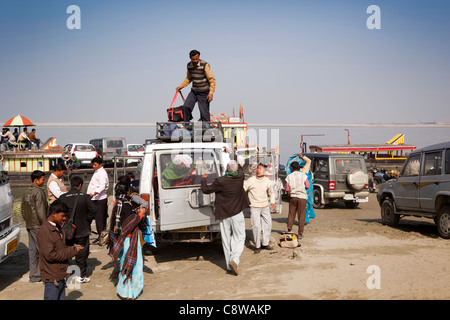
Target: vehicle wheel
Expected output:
[443,222]
[317,198]
[351,204]
[388,216]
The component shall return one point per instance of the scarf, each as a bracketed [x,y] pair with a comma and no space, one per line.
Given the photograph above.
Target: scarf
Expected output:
[230,174]
[129,227]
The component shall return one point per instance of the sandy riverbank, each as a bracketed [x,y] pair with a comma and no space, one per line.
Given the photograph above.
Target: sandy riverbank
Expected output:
[335,261]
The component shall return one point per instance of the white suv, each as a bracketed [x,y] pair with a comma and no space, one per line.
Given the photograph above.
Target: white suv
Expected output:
[84,152]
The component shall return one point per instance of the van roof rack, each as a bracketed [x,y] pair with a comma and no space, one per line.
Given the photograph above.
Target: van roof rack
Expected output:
[175,132]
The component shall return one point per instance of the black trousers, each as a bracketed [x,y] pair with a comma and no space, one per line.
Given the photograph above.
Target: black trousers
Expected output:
[102,215]
[203,105]
[81,258]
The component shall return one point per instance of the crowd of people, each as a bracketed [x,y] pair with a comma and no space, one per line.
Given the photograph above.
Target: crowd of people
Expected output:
[23,140]
[46,210]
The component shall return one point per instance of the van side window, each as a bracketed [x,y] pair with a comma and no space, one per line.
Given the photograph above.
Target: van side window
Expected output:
[186,169]
[412,166]
[432,163]
[447,162]
[322,165]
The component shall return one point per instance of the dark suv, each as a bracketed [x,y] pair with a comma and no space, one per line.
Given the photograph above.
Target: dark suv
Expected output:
[421,190]
[339,177]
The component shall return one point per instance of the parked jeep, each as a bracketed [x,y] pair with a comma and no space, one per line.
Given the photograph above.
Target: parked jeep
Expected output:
[339,177]
[421,190]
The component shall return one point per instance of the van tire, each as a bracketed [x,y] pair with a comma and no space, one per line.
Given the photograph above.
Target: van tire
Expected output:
[388,215]
[317,199]
[443,222]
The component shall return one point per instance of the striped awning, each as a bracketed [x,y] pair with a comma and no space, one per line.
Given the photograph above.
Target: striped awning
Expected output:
[18,121]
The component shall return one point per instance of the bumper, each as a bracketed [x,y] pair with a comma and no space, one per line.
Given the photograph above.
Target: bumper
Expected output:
[346,196]
[9,243]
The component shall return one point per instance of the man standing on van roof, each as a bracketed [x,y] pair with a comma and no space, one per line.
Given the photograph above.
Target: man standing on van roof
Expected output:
[203,87]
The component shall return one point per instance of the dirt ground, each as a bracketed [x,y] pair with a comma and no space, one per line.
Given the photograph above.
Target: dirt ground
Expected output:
[345,254]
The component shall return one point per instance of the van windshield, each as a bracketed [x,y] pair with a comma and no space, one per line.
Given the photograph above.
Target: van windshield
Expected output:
[114,144]
[186,169]
[347,165]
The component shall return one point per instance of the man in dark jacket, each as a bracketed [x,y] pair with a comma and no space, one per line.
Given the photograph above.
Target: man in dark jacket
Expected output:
[54,255]
[231,199]
[85,212]
[34,211]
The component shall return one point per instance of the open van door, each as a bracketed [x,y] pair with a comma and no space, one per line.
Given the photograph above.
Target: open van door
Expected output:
[182,203]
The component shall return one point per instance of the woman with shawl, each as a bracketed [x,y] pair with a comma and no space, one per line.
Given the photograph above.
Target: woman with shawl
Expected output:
[125,244]
[305,166]
[179,172]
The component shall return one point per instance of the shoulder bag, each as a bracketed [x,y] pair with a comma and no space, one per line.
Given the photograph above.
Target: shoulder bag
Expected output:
[68,226]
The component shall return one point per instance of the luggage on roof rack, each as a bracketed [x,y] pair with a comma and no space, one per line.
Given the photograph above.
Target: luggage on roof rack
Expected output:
[189,132]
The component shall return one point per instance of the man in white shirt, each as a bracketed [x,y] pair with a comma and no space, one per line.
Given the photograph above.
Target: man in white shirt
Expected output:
[97,190]
[259,187]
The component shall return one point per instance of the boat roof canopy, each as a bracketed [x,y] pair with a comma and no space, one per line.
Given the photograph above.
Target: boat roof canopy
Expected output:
[361,147]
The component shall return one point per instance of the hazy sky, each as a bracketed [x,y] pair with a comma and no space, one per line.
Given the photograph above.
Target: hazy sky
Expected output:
[285,61]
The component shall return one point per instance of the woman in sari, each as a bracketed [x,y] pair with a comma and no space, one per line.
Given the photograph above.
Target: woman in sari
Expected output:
[305,166]
[125,244]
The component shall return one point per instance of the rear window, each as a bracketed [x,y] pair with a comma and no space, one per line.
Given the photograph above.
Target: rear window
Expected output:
[114,144]
[186,169]
[135,148]
[84,148]
[347,165]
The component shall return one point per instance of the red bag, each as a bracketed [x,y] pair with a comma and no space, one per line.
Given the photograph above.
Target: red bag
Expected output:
[175,114]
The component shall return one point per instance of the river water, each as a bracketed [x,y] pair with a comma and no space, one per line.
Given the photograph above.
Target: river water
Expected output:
[287,138]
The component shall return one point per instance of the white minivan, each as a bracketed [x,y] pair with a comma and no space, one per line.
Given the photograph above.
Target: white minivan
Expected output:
[9,234]
[179,211]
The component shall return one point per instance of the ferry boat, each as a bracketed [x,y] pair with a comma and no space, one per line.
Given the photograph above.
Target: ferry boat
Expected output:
[27,161]
[389,155]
